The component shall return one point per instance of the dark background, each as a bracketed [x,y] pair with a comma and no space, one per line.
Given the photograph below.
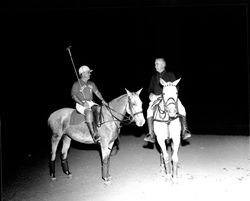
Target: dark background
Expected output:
[206,44]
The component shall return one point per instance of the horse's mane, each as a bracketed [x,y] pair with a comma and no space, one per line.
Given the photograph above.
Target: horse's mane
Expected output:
[118,99]
[116,103]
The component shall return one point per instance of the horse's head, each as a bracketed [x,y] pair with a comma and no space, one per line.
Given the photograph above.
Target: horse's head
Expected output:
[134,107]
[170,96]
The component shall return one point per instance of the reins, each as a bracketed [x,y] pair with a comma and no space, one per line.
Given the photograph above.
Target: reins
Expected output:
[164,112]
[126,120]
[169,120]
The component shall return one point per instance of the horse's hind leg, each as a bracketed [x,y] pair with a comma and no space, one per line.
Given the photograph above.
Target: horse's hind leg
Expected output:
[55,139]
[64,161]
[162,165]
[165,156]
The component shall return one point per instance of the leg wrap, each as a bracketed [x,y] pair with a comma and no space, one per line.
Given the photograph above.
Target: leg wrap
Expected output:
[105,170]
[65,167]
[168,166]
[52,168]
[175,169]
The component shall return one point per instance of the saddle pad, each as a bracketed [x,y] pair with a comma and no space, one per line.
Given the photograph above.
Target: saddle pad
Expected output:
[76,118]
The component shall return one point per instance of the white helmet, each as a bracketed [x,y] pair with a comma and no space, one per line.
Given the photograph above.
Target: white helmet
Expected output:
[84,69]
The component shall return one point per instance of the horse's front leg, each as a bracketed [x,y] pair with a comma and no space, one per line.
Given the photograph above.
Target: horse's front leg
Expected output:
[175,148]
[105,151]
[176,130]
[165,157]
[162,165]
[64,161]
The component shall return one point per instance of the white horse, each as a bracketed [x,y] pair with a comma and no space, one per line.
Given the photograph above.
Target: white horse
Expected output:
[112,115]
[167,128]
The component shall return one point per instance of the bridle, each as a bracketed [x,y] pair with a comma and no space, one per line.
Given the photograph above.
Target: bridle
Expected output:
[131,108]
[164,112]
[127,119]
[170,101]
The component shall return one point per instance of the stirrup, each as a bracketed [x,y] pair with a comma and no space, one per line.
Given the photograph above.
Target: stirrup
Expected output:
[186,134]
[96,138]
[150,138]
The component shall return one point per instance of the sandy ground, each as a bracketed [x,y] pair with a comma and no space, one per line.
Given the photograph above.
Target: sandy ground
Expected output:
[210,168]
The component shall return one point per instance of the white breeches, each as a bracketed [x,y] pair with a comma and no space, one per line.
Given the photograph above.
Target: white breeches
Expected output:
[154,98]
[87,105]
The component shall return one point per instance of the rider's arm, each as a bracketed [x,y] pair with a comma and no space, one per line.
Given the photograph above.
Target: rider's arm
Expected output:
[98,94]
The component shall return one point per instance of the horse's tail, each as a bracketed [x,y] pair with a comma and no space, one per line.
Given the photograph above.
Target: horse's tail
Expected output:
[55,123]
[56,119]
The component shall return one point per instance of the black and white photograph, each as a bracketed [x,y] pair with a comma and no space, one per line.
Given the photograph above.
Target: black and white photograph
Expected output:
[120,100]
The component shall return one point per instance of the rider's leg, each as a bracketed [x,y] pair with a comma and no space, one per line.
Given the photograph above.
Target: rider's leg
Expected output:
[89,121]
[185,132]
[150,137]
[95,116]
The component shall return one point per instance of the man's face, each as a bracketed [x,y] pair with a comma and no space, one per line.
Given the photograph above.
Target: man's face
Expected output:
[160,65]
[86,75]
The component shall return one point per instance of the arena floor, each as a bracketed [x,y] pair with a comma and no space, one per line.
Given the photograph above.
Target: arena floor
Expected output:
[211,167]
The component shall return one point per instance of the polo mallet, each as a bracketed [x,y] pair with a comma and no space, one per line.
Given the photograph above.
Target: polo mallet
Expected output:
[72,61]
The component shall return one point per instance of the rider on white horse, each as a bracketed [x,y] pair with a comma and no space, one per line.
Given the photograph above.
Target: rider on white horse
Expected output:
[82,94]
[155,92]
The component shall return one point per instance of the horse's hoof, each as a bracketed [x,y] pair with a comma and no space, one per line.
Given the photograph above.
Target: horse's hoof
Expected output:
[174,181]
[68,173]
[168,178]
[52,178]
[162,171]
[163,174]
[107,180]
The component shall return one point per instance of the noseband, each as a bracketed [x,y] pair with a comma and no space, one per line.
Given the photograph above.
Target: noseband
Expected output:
[173,102]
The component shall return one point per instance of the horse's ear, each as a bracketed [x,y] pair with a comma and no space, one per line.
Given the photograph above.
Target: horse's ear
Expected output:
[163,83]
[138,92]
[176,82]
[128,92]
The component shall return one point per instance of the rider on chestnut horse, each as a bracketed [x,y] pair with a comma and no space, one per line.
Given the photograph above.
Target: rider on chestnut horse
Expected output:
[82,94]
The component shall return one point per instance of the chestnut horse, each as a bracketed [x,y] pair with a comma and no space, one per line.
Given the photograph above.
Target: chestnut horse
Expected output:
[109,128]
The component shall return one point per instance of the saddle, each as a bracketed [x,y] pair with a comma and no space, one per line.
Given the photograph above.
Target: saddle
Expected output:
[78,118]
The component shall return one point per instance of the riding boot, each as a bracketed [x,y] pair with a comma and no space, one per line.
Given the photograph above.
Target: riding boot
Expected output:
[185,133]
[89,121]
[150,137]
[95,116]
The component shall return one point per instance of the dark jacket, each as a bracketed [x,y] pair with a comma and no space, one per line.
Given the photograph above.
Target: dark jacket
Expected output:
[155,87]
